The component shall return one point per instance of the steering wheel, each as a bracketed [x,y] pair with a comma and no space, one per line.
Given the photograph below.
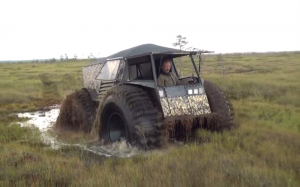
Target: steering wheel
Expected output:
[193,79]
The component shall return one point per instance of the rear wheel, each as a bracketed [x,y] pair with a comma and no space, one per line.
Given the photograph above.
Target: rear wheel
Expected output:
[77,112]
[129,112]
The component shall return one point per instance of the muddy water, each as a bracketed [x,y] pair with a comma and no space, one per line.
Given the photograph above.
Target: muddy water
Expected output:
[44,121]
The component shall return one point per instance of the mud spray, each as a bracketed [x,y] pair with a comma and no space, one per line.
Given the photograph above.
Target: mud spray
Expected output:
[44,121]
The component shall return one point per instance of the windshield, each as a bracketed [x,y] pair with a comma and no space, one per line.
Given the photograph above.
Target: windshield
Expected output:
[109,70]
[184,67]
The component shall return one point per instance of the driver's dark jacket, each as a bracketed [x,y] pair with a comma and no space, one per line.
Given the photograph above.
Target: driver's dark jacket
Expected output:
[167,79]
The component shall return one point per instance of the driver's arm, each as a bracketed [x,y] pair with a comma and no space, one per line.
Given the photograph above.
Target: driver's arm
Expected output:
[178,82]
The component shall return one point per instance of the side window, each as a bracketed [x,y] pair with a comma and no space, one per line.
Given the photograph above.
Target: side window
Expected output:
[141,71]
[146,71]
[109,70]
[133,73]
[120,70]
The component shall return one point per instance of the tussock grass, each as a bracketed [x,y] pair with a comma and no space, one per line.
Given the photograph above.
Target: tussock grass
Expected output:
[23,82]
[263,151]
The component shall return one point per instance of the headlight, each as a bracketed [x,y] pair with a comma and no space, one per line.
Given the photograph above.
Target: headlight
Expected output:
[195,91]
[190,91]
[201,91]
[161,93]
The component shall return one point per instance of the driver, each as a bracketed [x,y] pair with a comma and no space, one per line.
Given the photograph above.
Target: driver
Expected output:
[167,78]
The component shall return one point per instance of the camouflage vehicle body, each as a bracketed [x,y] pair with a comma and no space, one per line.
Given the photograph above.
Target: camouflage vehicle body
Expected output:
[121,98]
[175,100]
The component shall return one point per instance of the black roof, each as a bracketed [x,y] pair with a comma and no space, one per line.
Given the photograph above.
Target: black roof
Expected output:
[144,49]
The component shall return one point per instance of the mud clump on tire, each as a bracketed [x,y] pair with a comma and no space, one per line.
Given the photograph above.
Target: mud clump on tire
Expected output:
[77,112]
[222,117]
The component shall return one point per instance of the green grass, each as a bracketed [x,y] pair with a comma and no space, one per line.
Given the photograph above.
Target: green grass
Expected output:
[28,81]
[263,151]
[28,86]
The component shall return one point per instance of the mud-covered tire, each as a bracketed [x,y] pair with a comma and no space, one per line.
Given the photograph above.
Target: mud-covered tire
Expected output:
[77,112]
[141,118]
[220,107]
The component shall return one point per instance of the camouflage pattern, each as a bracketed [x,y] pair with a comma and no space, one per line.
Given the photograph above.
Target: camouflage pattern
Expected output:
[89,75]
[185,105]
[199,104]
[177,106]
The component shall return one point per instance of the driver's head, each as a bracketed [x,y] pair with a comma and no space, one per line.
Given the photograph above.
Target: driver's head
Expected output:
[166,65]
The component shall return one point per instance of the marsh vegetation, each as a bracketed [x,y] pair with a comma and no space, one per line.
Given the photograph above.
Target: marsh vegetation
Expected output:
[264,151]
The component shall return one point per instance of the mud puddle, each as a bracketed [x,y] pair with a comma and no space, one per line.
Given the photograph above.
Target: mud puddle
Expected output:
[44,121]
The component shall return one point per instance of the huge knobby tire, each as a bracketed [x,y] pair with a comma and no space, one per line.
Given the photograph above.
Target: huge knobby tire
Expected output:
[77,112]
[220,107]
[134,108]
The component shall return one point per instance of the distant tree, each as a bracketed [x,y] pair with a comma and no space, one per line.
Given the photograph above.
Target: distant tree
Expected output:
[66,56]
[61,57]
[75,57]
[181,42]
[91,56]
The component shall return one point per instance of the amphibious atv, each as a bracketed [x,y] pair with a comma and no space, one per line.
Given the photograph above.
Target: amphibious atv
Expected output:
[121,99]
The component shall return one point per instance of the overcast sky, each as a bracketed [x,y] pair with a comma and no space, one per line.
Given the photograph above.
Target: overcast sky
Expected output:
[38,29]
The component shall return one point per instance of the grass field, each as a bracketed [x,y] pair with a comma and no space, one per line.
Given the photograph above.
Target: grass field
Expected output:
[263,151]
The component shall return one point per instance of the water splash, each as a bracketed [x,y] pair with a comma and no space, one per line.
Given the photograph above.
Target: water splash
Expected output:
[44,121]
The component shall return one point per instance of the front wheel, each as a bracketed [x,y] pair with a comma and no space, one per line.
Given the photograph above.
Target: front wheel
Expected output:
[116,127]
[128,112]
